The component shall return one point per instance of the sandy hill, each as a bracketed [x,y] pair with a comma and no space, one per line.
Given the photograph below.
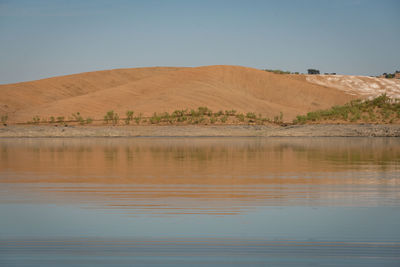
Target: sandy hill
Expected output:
[149,90]
[19,96]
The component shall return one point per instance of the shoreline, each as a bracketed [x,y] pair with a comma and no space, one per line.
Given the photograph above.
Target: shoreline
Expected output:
[307,130]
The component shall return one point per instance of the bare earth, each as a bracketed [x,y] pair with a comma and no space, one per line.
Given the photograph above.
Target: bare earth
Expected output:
[149,90]
[317,130]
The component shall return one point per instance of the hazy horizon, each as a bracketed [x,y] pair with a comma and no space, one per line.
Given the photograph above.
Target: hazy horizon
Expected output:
[50,38]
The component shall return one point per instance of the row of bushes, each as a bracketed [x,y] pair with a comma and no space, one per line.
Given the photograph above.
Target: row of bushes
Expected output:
[281,71]
[201,115]
[75,117]
[379,109]
[391,75]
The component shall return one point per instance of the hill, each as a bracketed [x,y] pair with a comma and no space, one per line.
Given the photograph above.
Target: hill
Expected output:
[165,89]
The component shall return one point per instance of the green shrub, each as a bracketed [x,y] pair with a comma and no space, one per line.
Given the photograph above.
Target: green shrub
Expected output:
[265,120]
[356,110]
[115,119]
[300,119]
[311,116]
[89,120]
[219,113]
[166,117]
[204,111]
[129,117]
[111,116]
[279,118]
[138,118]
[386,113]
[194,113]
[36,119]
[230,112]
[182,119]
[278,71]
[356,117]
[201,119]
[155,119]
[371,114]
[224,118]
[4,119]
[251,115]
[240,117]
[60,119]
[78,118]
[178,113]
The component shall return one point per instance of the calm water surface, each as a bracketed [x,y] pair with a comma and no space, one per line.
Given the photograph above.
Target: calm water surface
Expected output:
[200,202]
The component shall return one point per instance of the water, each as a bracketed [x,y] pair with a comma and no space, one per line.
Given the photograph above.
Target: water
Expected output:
[200,201]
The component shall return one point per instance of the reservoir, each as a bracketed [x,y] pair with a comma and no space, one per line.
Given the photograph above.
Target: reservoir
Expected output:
[200,201]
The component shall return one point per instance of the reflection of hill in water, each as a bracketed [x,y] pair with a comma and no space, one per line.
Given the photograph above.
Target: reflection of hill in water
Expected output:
[199,175]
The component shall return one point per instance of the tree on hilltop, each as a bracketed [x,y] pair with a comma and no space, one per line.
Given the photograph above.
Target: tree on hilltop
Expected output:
[313,71]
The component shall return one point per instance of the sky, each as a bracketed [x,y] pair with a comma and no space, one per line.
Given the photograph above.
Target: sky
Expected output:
[45,38]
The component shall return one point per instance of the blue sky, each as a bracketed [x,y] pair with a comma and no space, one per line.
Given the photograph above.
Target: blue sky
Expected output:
[45,38]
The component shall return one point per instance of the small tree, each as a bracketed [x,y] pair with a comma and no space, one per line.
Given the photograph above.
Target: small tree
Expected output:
[138,118]
[4,119]
[115,119]
[313,71]
[111,116]
[129,116]
[251,115]
[36,119]
[60,119]
[89,120]
[78,118]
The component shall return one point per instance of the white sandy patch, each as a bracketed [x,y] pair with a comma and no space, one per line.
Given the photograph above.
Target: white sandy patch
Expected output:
[364,86]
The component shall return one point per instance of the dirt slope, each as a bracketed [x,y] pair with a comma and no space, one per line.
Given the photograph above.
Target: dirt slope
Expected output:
[35,93]
[149,90]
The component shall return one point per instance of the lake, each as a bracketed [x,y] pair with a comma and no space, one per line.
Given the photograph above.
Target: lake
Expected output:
[200,201]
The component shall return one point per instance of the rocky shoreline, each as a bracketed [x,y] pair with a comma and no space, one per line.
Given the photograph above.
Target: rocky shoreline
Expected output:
[310,130]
